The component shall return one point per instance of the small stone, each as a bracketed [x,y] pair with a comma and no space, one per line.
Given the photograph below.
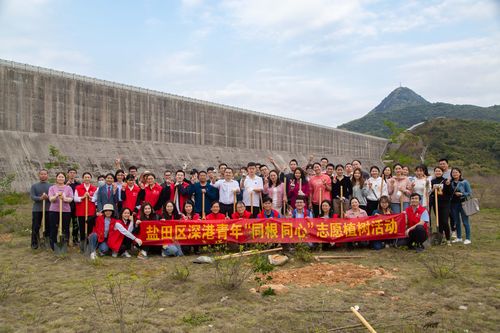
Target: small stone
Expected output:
[223,299]
[279,289]
[161,309]
[395,269]
[253,290]
[394,298]
[381,293]
[277,259]
[462,307]
[211,326]
[80,309]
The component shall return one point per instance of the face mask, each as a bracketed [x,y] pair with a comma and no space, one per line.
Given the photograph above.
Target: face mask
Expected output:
[101,183]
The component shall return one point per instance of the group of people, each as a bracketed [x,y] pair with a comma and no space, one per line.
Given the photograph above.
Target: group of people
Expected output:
[107,217]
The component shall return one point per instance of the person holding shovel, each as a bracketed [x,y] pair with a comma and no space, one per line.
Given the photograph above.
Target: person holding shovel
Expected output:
[60,196]
[442,186]
[85,208]
[40,211]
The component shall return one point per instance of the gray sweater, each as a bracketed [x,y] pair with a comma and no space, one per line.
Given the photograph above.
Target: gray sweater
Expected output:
[36,192]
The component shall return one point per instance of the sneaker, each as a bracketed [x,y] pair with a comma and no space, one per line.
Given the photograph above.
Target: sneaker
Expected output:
[126,254]
[458,240]
[114,254]
[453,235]
[467,242]
[420,249]
[142,254]
[93,256]
[448,243]
[100,254]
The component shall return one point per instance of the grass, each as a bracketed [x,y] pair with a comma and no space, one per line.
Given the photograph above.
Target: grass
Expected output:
[50,294]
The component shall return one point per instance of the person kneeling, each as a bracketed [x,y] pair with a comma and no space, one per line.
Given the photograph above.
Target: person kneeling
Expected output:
[108,233]
[418,220]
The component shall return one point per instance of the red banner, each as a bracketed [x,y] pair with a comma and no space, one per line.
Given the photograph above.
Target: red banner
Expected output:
[283,230]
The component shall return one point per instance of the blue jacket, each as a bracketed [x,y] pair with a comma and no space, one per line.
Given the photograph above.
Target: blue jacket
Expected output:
[210,196]
[102,198]
[463,187]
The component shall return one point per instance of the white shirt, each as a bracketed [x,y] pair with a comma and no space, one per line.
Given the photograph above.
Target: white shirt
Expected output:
[226,190]
[249,185]
[374,192]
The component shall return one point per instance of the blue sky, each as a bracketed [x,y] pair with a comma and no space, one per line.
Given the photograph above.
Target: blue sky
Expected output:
[323,61]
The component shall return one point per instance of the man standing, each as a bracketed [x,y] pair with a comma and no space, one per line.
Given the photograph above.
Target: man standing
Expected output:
[444,164]
[39,193]
[227,188]
[252,190]
[200,189]
[73,183]
[106,194]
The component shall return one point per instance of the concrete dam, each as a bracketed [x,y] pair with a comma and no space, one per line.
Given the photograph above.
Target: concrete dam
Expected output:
[95,121]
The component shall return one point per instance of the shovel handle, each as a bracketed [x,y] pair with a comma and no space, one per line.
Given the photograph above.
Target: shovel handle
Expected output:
[436,206]
[43,217]
[60,216]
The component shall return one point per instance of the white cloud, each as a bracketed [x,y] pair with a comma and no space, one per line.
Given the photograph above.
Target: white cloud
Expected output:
[179,65]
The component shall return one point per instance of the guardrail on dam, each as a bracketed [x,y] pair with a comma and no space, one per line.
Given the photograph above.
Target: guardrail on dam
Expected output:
[94,121]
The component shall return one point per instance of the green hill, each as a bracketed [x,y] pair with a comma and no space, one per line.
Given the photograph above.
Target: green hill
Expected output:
[472,144]
[373,122]
[399,98]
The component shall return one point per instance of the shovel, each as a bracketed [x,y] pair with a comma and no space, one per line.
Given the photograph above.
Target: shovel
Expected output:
[86,248]
[436,237]
[43,240]
[61,246]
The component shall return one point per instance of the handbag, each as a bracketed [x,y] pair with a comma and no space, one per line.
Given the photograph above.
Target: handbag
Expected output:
[470,206]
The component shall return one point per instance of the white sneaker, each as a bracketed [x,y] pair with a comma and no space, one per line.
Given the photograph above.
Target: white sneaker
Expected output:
[458,240]
[142,254]
[448,243]
[453,235]
[114,254]
[467,242]
[126,254]
[92,256]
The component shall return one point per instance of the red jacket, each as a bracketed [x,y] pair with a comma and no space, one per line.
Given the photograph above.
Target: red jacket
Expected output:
[218,216]
[80,206]
[246,215]
[99,227]
[195,217]
[130,197]
[414,217]
[152,195]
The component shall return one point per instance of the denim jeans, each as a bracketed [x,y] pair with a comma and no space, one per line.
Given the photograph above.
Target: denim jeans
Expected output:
[94,244]
[396,207]
[458,212]
[173,250]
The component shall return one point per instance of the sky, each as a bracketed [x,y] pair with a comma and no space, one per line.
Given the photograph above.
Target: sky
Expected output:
[322,61]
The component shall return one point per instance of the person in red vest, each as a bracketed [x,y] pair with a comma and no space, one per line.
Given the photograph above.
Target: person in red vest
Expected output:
[150,193]
[215,212]
[103,236]
[85,208]
[170,213]
[418,220]
[130,194]
[188,212]
[241,212]
[179,191]
[120,236]
[267,209]
[146,213]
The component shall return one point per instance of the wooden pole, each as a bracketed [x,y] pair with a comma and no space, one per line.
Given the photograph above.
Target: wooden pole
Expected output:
[234,202]
[341,201]
[338,257]
[382,185]
[60,218]
[202,205]
[43,218]
[86,213]
[300,184]
[246,254]
[436,207]
[251,202]
[363,320]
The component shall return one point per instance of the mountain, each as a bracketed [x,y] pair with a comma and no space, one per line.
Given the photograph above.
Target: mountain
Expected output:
[399,98]
[405,108]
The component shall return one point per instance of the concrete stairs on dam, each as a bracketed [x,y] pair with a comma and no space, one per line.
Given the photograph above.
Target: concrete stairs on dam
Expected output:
[24,153]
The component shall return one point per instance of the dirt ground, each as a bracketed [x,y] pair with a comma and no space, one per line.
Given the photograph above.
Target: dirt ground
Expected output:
[395,291]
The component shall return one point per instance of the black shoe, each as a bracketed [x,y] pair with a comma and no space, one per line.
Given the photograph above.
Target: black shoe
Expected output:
[34,246]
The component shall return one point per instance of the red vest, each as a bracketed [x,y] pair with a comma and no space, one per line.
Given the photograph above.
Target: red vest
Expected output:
[80,206]
[131,197]
[414,216]
[218,216]
[195,217]
[152,195]
[275,214]
[99,227]
[246,215]
[115,237]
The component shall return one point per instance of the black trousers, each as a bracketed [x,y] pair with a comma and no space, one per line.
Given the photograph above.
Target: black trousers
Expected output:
[371,206]
[226,209]
[54,227]
[418,235]
[81,226]
[36,224]
[443,214]
[315,210]
[256,210]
